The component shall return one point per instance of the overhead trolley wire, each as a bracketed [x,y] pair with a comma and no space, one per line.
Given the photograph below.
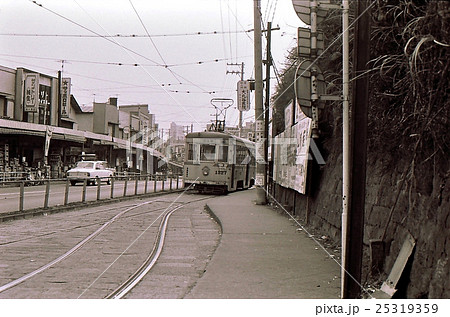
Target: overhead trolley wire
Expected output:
[108,38]
[96,33]
[151,40]
[120,63]
[154,79]
[135,36]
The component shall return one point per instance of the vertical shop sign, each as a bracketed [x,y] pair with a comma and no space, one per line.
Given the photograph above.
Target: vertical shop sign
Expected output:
[65,97]
[31,92]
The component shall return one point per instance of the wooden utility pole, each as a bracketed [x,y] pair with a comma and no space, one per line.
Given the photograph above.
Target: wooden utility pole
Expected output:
[268,62]
[259,114]
[242,78]
[360,100]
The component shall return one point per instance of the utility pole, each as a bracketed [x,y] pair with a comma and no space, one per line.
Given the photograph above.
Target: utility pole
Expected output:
[59,98]
[268,62]
[345,144]
[259,115]
[242,78]
[360,99]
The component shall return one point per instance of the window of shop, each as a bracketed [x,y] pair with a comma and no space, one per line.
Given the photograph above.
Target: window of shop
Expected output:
[3,106]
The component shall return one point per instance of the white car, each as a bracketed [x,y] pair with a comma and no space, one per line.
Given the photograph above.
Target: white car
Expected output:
[91,171]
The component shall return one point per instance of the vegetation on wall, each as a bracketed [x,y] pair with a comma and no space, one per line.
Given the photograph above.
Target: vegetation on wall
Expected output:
[409,106]
[408,72]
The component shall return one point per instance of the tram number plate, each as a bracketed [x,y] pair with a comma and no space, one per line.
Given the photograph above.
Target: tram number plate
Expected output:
[221,172]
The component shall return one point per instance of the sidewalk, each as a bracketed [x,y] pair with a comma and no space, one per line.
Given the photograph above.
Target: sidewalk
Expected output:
[262,255]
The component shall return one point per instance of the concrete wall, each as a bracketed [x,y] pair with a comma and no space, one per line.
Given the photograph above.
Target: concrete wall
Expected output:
[422,210]
[85,121]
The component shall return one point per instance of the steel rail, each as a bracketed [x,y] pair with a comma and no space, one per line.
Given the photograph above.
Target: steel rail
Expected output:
[148,264]
[71,251]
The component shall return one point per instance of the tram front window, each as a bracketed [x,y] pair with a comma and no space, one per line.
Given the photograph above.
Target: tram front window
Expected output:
[223,154]
[207,152]
[190,151]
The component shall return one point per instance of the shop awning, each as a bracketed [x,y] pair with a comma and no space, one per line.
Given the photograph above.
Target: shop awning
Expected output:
[21,132]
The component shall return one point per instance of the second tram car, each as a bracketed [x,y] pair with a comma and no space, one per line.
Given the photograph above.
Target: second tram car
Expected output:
[218,162]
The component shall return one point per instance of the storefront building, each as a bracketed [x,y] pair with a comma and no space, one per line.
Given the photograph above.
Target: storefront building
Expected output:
[43,127]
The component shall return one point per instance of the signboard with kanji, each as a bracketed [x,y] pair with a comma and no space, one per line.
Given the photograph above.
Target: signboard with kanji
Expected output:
[243,96]
[31,92]
[65,97]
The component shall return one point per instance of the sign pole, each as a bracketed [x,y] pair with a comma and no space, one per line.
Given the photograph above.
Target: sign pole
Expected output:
[240,111]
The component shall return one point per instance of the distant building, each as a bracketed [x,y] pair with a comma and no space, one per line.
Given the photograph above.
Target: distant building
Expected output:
[177,137]
[138,123]
[247,132]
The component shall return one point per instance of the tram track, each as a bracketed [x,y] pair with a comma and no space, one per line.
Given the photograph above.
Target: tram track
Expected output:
[31,237]
[137,276]
[123,214]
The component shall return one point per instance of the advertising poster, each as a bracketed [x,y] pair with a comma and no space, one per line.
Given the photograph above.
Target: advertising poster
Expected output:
[292,154]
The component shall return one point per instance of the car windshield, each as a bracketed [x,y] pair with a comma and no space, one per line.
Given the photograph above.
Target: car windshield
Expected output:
[85,165]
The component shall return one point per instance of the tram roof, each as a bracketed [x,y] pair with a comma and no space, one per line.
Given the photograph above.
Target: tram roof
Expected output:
[215,134]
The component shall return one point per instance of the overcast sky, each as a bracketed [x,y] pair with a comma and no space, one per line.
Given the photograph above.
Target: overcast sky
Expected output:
[178,71]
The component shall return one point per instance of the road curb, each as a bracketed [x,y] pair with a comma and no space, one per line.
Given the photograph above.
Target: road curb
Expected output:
[214,217]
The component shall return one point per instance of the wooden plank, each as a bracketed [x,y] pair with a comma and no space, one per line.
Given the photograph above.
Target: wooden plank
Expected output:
[389,285]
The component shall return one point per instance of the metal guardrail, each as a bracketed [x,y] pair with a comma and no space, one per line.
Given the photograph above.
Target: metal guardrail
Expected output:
[140,182]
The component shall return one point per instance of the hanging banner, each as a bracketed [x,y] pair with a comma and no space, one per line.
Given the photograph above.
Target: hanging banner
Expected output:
[65,97]
[48,136]
[31,92]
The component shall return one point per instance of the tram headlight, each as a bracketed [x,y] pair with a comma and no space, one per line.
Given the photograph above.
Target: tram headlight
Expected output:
[205,171]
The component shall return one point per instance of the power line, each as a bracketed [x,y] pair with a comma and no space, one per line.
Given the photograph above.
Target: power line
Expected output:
[121,63]
[151,40]
[136,36]
[96,33]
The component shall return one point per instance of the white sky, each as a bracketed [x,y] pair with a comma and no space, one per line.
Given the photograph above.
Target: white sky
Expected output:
[180,93]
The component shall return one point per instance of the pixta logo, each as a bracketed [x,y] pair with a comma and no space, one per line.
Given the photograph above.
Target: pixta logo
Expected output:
[141,139]
[214,149]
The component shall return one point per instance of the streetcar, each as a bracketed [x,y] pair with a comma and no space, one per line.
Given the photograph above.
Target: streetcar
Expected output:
[217,162]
